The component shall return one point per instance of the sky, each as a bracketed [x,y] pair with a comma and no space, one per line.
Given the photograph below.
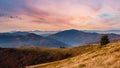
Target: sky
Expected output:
[47,15]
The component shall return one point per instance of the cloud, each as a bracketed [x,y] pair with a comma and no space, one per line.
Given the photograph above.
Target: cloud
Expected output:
[60,14]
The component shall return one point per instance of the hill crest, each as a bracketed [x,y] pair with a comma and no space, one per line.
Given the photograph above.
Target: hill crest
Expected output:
[106,57]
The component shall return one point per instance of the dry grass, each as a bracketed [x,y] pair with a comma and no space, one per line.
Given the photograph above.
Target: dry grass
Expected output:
[26,56]
[105,57]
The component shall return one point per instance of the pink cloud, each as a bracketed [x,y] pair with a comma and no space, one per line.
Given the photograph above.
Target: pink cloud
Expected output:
[64,14]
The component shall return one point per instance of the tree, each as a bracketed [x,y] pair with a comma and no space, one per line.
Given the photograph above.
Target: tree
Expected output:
[104,40]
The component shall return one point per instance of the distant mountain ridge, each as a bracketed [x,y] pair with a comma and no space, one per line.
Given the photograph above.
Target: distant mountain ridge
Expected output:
[38,32]
[29,39]
[65,38]
[103,31]
[75,37]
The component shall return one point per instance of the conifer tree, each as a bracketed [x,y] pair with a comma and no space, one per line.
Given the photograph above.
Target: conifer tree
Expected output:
[104,40]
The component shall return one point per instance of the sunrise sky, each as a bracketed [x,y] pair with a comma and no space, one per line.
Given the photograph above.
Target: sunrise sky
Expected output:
[59,15]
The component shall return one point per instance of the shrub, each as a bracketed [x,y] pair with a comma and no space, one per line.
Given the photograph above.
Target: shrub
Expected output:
[104,40]
[62,47]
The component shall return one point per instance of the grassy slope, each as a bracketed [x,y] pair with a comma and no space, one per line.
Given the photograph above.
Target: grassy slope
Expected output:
[26,56]
[106,57]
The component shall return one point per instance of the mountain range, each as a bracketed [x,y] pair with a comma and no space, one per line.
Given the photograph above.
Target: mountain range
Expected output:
[75,37]
[65,38]
[30,39]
